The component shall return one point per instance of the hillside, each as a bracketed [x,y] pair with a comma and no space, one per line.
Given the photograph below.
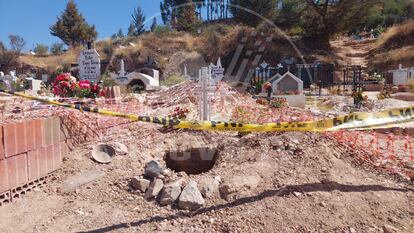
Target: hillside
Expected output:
[172,50]
[395,46]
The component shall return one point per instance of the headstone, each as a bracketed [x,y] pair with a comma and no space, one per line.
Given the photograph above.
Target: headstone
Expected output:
[122,71]
[1,74]
[89,65]
[217,71]
[45,78]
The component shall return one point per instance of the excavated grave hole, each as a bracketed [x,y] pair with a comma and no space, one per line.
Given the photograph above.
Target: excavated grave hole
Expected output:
[193,161]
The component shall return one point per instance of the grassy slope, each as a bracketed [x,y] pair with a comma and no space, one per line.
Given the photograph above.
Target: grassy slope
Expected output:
[395,46]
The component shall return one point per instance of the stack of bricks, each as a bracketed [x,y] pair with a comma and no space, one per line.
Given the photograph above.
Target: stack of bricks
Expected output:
[113,93]
[29,151]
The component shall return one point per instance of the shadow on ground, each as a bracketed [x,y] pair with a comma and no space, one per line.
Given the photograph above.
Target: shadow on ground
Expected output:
[284,191]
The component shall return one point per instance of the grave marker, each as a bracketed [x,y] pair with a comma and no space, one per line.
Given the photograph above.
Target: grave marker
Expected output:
[89,65]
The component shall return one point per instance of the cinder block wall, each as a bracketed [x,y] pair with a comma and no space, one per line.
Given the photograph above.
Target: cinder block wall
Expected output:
[30,150]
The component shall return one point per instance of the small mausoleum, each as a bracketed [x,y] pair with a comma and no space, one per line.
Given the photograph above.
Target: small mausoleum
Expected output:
[402,76]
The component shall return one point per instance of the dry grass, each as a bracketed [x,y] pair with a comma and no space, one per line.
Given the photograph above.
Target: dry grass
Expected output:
[397,36]
[394,47]
[51,62]
[391,59]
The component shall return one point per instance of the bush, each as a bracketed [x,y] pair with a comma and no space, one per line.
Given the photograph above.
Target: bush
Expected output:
[57,49]
[108,48]
[41,50]
[173,80]
[107,81]
[161,30]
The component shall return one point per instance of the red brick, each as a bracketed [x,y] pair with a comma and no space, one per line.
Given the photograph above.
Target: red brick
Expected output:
[38,127]
[14,139]
[30,135]
[57,157]
[1,144]
[50,158]
[47,126]
[56,130]
[33,165]
[17,170]
[4,181]
[42,158]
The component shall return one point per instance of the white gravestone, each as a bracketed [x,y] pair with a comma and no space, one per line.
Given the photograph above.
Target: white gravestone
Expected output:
[89,65]
[217,71]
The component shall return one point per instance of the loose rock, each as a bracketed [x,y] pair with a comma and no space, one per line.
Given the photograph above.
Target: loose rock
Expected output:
[153,169]
[120,148]
[154,189]
[208,186]
[170,193]
[190,198]
[139,183]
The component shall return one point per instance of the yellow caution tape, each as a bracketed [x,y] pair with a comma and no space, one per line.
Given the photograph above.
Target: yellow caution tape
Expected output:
[353,121]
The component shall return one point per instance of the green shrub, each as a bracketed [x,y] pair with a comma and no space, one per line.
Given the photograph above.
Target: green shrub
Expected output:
[161,30]
[57,49]
[173,80]
[41,50]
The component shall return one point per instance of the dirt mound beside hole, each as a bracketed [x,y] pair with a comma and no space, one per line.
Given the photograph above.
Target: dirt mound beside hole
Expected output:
[193,161]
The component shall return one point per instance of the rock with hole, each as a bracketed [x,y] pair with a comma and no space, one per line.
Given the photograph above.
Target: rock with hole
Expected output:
[190,198]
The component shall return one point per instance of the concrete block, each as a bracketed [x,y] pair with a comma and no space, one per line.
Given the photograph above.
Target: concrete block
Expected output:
[30,135]
[38,125]
[33,165]
[47,126]
[15,140]
[42,158]
[55,130]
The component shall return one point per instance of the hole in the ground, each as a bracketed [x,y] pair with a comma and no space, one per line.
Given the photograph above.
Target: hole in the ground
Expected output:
[193,161]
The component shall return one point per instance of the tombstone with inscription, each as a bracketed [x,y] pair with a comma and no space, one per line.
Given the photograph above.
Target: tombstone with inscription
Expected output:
[217,71]
[89,65]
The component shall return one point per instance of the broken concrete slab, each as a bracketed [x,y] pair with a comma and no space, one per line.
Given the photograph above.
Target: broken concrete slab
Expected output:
[73,182]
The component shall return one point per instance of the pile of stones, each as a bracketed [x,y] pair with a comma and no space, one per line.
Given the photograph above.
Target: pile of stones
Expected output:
[157,184]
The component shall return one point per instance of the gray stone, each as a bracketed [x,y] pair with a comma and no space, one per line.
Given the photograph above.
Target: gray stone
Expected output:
[209,186]
[153,169]
[154,189]
[170,193]
[120,148]
[139,183]
[190,198]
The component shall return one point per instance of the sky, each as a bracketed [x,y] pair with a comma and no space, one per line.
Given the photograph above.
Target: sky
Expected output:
[31,19]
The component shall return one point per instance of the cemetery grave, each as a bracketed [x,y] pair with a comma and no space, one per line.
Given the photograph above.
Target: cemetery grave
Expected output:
[240,145]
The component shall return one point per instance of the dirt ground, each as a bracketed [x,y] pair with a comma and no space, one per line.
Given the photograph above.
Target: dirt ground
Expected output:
[279,182]
[286,182]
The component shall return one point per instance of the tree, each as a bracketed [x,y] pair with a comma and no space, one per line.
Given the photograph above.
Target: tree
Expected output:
[323,19]
[154,24]
[180,14]
[131,30]
[17,43]
[57,49]
[288,13]
[72,28]
[7,58]
[120,33]
[41,50]
[265,8]
[138,20]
